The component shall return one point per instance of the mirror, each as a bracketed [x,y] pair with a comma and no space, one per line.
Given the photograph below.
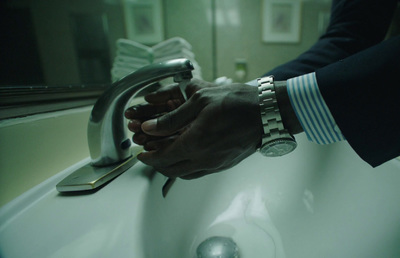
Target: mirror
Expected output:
[62,42]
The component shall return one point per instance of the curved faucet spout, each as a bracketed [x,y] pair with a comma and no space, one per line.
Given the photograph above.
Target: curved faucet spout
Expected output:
[107,129]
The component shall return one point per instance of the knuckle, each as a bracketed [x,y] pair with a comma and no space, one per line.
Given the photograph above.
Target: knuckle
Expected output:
[196,96]
[201,97]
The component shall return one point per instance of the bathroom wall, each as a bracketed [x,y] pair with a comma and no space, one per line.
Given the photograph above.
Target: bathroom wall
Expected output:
[222,31]
[191,20]
[239,37]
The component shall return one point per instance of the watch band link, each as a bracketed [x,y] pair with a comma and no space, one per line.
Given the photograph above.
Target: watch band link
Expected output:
[270,115]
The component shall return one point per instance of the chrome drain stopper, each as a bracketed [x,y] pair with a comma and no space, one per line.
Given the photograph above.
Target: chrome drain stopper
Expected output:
[218,247]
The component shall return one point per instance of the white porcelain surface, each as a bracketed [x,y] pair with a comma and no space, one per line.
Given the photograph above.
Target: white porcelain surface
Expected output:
[320,201]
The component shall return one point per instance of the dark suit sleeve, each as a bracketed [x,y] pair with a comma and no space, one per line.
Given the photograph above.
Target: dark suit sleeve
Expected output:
[358,76]
[354,26]
[363,95]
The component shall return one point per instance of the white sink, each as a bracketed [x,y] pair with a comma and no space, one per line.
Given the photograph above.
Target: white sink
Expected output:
[319,201]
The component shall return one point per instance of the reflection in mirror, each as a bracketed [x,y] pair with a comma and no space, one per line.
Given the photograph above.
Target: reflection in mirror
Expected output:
[73,42]
[55,42]
[62,42]
[92,50]
[20,61]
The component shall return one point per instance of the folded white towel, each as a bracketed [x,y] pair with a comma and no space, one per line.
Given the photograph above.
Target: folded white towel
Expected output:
[132,55]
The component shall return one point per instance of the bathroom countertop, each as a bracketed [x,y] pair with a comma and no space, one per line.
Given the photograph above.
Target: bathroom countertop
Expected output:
[104,223]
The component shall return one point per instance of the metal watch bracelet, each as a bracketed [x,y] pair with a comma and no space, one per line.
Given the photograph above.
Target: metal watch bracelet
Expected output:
[270,115]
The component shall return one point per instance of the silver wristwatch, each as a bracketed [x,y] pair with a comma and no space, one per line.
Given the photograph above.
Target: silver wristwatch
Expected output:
[276,140]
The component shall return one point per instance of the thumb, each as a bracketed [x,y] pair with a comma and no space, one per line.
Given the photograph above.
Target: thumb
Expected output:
[173,121]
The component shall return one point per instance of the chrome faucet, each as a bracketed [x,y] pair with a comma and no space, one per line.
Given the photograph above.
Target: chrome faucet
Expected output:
[109,146]
[108,141]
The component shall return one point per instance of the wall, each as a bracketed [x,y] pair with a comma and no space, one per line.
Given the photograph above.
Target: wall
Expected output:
[242,39]
[237,34]
[191,20]
[34,148]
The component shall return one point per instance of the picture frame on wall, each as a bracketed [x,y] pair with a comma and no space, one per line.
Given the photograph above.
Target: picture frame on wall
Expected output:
[281,21]
[143,21]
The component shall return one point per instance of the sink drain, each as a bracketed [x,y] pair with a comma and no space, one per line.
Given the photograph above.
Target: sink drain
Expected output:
[218,247]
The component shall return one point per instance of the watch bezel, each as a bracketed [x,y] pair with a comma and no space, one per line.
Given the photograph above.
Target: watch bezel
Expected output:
[266,147]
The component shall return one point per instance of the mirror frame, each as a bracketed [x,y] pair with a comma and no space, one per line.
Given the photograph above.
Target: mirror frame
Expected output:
[17,101]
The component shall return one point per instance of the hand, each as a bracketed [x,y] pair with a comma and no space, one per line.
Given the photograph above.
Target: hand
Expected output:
[160,102]
[214,130]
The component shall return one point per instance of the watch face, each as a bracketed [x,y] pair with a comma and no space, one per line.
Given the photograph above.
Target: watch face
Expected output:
[278,147]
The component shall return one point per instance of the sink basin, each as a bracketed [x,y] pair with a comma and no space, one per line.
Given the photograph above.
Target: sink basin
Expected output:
[319,201]
[104,223]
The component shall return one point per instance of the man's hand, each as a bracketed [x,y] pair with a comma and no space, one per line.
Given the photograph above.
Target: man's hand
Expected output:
[214,130]
[160,102]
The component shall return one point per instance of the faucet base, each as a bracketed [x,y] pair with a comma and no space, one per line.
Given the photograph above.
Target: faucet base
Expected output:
[90,177]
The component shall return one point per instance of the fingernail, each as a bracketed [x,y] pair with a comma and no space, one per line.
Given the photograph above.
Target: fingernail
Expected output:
[134,126]
[149,125]
[130,112]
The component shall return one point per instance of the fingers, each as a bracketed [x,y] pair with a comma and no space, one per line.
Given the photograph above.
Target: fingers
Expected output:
[164,94]
[164,100]
[174,169]
[168,153]
[167,137]
[172,91]
[135,126]
[173,121]
[143,139]
[145,111]
[185,169]
[157,143]
[158,160]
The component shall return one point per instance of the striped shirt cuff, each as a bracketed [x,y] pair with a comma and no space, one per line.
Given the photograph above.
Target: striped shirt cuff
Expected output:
[312,111]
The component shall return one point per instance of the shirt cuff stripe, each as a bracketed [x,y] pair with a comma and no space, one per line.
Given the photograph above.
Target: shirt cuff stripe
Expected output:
[313,96]
[300,112]
[329,121]
[312,111]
